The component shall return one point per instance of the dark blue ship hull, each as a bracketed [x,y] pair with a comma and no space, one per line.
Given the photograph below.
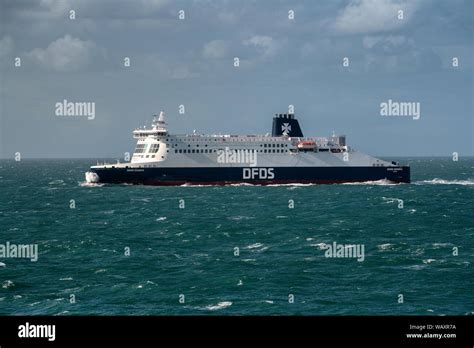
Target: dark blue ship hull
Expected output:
[257,176]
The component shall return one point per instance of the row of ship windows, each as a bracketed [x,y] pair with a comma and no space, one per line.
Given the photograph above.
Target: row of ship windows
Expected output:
[211,150]
[261,145]
[142,148]
[231,139]
[208,151]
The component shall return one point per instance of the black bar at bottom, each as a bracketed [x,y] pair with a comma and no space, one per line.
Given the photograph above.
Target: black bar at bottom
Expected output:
[133,330]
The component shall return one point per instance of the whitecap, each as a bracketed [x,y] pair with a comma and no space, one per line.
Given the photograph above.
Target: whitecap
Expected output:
[218,306]
[56,182]
[8,284]
[291,185]
[429,261]
[390,200]
[141,285]
[320,246]
[146,200]
[240,217]
[383,182]
[161,218]
[253,246]
[90,184]
[437,181]
[440,245]
[386,246]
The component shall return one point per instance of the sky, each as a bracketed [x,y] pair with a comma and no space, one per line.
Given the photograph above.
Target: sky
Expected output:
[335,61]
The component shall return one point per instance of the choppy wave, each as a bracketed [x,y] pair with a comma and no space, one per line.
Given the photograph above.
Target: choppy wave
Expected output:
[191,252]
[437,181]
[429,260]
[320,246]
[390,199]
[386,246]
[383,182]
[90,184]
[240,217]
[441,245]
[218,306]
[57,182]
[291,185]
[8,284]
[253,246]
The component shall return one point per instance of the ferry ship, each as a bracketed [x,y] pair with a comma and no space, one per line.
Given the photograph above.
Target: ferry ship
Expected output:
[284,157]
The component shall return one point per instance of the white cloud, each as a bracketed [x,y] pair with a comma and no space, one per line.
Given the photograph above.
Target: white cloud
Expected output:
[216,49]
[66,54]
[371,16]
[266,46]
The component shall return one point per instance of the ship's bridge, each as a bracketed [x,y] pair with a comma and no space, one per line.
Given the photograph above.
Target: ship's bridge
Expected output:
[159,128]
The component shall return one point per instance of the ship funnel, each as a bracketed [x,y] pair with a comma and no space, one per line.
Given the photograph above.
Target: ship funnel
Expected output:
[286,124]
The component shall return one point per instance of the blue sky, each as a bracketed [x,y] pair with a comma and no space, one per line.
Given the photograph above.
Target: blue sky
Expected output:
[190,62]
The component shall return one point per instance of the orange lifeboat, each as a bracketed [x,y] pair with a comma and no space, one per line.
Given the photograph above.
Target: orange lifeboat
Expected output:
[307,145]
